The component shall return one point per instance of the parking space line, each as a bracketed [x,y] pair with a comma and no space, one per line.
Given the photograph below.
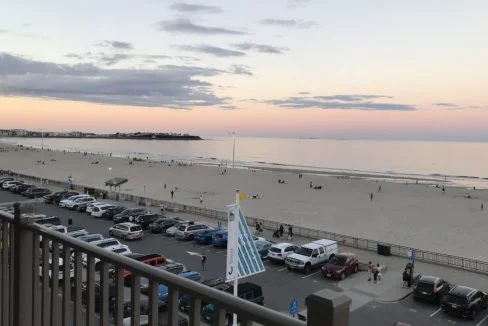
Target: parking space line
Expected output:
[282,269]
[311,274]
[482,320]
[435,312]
[221,251]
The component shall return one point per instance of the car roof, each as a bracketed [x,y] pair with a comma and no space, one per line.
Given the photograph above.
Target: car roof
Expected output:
[128,224]
[312,245]
[282,245]
[462,291]
[103,241]
[325,242]
[429,279]
[189,273]
[221,232]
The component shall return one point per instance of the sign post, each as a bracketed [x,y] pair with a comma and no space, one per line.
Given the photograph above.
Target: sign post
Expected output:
[243,258]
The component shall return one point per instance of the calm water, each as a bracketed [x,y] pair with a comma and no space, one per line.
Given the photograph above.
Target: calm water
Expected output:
[464,163]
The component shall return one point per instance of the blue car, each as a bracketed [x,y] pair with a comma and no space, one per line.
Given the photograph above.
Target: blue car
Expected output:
[204,237]
[219,239]
[164,291]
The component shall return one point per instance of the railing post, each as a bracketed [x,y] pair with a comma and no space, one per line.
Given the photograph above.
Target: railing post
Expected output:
[327,308]
[23,269]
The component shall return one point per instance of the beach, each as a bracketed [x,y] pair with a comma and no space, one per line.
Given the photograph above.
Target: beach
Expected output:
[413,215]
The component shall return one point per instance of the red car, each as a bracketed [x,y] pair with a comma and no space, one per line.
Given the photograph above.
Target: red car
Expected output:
[341,265]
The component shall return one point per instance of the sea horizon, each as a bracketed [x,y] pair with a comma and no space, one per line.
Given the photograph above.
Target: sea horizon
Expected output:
[459,163]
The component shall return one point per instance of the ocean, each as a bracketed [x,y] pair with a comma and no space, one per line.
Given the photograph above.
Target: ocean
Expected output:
[461,163]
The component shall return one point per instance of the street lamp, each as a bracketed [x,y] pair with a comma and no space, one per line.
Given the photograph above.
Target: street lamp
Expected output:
[233,149]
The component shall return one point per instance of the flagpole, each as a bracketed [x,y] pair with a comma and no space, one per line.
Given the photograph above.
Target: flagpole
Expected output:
[234,316]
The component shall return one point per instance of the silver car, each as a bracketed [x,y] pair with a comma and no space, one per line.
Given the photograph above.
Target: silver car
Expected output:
[187,232]
[126,231]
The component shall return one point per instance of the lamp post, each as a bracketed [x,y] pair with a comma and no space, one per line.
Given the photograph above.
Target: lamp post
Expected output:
[233,149]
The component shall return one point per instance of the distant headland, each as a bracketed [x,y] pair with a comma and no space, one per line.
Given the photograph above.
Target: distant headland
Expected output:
[78,134]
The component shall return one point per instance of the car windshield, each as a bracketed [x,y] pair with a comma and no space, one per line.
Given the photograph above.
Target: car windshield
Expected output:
[182,227]
[274,249]
[456,299]
[135,228]
[120,250]
[338,260]
[304,251]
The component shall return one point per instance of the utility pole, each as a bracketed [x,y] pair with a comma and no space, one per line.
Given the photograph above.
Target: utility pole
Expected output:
[233,149]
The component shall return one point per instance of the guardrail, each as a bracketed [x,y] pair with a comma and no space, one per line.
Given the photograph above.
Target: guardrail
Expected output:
[33,262]
[346,240]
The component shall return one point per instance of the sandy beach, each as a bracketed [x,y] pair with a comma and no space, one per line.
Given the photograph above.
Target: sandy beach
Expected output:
[416,215]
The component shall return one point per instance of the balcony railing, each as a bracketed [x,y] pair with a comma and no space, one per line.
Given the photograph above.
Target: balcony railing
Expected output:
[35,263]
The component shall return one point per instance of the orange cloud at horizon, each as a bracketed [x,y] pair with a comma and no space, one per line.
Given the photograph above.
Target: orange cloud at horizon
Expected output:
[254,119]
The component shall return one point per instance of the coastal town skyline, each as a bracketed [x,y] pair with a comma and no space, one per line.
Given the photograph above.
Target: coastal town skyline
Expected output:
[296,68]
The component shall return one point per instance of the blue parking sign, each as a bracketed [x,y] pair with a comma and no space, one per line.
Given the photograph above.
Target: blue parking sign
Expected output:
[294,307]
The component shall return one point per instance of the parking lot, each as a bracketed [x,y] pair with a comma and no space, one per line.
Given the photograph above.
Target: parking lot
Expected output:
[279,284]
[412,313]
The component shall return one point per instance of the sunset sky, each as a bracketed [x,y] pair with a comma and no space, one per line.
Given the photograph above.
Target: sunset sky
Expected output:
[296,68]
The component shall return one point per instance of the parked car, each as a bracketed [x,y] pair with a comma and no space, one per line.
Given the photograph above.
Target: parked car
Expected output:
[464,301]
[5,179]
[341,265]
[172,230]
[205,236]
[263,248]
[57,196]
[111,212]
[70,200]
[36,192]
[107,243]
[175,268]
[187,232]
[146,219]
[219,239]
[82,206]
[9,184]
[99,210]
[161,225]
[61,267]
[47,220]
[128,214]
[151,259]
[248,291]
[90,207]
[91,237]
[126,231]
[278,252]
[193,276]
[184,302]
[311,255]
[18,189]
[430,288]
[80,201]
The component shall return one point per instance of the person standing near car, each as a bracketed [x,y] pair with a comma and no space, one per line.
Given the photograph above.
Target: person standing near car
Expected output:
[204,259]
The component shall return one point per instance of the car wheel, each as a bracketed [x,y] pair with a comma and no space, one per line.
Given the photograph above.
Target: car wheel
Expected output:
[355,268]
[75,208]
[289,268]
[343,275]
[110,233]
[191,237]
[124,237]
[307,269]
[332,255]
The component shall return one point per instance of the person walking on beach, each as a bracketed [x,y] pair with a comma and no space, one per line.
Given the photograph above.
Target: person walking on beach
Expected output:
[406,277]
[290,232]
[370,271]
[371,196]
[482,206]
[311,184]
[172,194]
[282,230]
[201,199]
[379,188]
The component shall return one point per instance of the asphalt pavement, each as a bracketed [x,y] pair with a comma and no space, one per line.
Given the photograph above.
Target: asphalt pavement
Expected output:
[279,284]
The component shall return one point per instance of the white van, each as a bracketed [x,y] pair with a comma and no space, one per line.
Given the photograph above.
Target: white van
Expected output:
[312,255]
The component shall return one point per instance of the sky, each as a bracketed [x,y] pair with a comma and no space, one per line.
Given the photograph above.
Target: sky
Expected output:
[275,68]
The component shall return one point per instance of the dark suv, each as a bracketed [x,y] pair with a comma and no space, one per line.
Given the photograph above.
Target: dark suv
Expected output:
[128,214]
[464,301]
[145,220]
[430,288]
[112,211]
[36,192]
[162,226]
